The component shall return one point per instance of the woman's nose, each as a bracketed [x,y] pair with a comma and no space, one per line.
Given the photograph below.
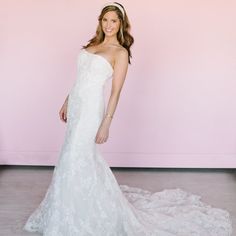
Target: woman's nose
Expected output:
[108,24]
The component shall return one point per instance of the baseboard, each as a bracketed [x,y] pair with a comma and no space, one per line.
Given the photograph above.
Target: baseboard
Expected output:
[130,159]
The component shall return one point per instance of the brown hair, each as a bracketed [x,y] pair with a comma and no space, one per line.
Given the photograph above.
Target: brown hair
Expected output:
[124,37]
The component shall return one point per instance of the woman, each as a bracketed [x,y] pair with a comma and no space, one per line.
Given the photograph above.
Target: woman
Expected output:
[113,42]
[84,198]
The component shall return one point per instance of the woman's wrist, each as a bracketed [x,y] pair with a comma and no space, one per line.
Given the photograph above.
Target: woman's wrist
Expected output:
[109,116]
[107,120]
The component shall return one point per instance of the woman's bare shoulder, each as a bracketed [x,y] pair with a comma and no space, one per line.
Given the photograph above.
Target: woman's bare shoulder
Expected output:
[91,49]
[121,52]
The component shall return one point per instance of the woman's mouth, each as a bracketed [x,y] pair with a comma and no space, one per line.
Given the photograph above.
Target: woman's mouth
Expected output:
[108,30]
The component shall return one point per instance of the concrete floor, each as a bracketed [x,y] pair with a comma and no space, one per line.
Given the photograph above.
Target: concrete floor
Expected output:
[23,187]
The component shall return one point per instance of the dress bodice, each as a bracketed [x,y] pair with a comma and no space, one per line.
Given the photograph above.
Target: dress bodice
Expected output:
[93,68]
[86,94]
[93,71]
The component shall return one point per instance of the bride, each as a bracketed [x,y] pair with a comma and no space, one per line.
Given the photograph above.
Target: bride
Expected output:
[84,198]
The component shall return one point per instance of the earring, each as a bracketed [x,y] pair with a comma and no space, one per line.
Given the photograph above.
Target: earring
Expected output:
[122,35]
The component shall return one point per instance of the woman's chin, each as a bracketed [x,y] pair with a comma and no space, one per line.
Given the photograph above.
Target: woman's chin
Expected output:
[109,34]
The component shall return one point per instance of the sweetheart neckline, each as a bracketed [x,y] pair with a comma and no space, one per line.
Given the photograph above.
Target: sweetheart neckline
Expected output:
[94,54]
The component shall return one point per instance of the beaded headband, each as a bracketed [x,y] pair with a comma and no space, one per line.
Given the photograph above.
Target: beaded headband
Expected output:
[116,5]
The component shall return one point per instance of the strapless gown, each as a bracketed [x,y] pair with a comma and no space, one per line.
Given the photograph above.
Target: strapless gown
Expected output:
[84,198]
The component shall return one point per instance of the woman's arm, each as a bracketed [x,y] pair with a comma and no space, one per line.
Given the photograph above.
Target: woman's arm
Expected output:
[63,110]
[119,74]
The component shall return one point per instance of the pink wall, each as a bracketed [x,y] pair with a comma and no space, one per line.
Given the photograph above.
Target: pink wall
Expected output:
[177,108]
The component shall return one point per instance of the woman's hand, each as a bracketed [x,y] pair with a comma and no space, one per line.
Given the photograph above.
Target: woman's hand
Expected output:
[63,112]
[102,134]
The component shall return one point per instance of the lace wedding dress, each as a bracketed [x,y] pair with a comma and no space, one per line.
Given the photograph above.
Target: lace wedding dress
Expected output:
[84,198]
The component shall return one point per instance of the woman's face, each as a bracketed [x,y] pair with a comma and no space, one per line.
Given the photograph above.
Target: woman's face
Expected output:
[110,23]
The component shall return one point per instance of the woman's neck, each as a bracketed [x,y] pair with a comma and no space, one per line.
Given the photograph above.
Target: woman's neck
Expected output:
[110,41]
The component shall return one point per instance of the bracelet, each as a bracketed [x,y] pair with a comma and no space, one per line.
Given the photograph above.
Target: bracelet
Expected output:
[110,116]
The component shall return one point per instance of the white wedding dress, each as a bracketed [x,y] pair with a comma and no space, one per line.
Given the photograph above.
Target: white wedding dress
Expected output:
[84,198]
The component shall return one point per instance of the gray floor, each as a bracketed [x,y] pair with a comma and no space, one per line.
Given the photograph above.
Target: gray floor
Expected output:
[23,187]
